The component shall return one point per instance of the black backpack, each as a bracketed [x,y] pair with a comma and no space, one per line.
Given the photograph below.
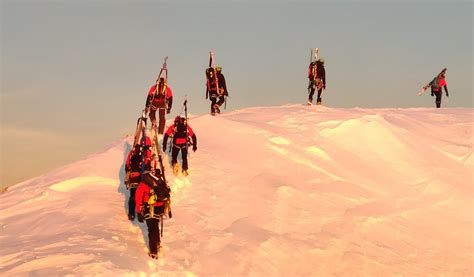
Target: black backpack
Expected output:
[211,78]
[311,71]
[136,161]
[159,192]
[158,188]
[181,126]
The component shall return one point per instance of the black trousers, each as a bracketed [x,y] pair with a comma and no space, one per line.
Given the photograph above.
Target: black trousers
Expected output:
[184,156]
[131,202]
[154,239]
[216,99]
[311,93]
[438,95]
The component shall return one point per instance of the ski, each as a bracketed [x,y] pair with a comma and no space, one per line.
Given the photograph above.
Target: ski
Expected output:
[312,68]
[164,69]
[422,90]
[211,59]
[139,128]
[164,73]
[185,104]
[158,153]
[143,144]
[315,54]
[213,66]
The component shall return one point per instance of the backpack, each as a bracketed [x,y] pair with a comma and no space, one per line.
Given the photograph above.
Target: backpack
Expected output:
[181,127]
[312,71]
[210,73]
[180,133]
[136,161]
[434,83]
[159,190]
[211,79]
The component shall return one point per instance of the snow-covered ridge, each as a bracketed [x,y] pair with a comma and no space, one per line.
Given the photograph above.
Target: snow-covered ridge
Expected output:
[272,191]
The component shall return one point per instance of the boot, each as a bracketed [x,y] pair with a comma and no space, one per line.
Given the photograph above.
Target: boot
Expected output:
[185,172]
[216,108]
[176,169]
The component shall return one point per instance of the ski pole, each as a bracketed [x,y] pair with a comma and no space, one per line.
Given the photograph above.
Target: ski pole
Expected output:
[185,104]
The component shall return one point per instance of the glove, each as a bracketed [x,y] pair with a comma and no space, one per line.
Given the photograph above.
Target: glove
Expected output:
[195,148]
[432,93]
[447,94]
[168,111]
[164,148]
[140,217]
[324,86]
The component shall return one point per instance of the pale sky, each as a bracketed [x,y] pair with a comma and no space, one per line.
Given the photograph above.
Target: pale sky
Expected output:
[75,74]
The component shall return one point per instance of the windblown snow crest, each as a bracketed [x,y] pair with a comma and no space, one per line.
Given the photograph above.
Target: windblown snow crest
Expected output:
[286,190]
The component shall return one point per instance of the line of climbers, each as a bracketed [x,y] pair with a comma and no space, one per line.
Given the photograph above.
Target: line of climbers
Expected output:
[150,195]
[216,90]
[317,80]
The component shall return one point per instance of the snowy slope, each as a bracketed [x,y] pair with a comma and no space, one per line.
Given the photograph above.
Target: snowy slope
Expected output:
[274,191]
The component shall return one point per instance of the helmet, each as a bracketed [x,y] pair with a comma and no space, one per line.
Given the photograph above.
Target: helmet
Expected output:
[321,60]
[179,118]
[218,69]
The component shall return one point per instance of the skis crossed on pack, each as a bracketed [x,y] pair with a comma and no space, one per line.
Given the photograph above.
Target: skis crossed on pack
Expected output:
[164,73]
[425,88]
[219,91]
